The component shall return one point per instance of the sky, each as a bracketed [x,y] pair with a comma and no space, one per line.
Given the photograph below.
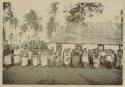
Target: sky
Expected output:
[21,7]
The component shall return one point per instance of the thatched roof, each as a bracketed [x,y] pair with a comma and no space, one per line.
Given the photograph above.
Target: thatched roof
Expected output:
[92,33]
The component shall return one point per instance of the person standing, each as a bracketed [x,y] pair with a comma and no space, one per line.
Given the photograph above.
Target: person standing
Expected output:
[57,59]
[90,57]
[7,57]
[24,57]
[35,57]
[102,57]
[119,61]
[30,54]
[44,58]
[17,53]
[75,58]
[85,60]
[96,59]
[51,57]
[108,60]
[66,57]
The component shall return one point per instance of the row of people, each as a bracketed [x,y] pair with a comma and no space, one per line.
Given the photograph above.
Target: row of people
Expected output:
[69,57]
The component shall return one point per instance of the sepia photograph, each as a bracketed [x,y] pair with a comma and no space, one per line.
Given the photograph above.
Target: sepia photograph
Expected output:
[60,42]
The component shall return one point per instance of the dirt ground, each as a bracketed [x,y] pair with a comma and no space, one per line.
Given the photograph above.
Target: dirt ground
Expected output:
[61,76]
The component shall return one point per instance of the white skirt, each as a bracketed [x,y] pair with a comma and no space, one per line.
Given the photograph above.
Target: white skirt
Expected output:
[35,61]
[85,59]
[7,60]
[109,58]
[24,61]
[16,59]
[44,61]
[96,63]
[66,60]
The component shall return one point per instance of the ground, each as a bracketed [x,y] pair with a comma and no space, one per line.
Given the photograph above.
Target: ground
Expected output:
[61,75]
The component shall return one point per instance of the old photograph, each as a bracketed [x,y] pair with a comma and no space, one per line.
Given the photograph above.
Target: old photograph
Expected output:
[62,42]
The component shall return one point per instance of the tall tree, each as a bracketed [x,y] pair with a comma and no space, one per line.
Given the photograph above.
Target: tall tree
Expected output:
[51,26]
[81,11]
[9,17]
[33,21]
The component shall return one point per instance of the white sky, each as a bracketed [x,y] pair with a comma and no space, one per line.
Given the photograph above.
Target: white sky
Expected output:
[21,7]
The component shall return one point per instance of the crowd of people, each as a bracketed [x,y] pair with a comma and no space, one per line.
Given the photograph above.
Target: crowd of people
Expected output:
[94,58]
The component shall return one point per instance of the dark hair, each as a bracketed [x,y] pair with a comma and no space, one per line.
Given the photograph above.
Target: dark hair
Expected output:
[6,3]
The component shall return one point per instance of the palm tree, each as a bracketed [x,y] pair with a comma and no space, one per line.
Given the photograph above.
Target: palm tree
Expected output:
[33,21]
[9,17]
[52,25]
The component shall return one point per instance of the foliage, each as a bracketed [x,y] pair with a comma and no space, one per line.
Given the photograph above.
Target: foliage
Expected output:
[51,26]
[24,27]
[13,21]
[83,10]
[32,20]
[10,16]
[54,8]
[38,44]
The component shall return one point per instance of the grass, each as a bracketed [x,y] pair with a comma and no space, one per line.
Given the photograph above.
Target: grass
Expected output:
[62,76]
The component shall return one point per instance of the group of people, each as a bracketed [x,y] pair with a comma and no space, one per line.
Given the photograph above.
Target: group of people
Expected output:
[94,58]
[77,57]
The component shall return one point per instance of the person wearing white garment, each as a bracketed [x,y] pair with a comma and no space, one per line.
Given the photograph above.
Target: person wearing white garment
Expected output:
[85,59]
[7,57]
[17,59]
[44,58]
[102,57]
[39,56]
[35,57]
[24,57]
[51,57]
[67,57]
[96,59]
[108,60]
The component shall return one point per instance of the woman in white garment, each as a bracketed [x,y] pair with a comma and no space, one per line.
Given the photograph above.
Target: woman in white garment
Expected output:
[102,57]
[7,57]
[35,57]
[108,60]
[85,59]
[57,59]
[51,57]
[66,57]
[96,59]
[17,59]
[24,57]
[44,58]
[39,56]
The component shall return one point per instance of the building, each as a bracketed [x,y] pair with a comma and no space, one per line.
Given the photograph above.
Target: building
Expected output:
[106,35]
